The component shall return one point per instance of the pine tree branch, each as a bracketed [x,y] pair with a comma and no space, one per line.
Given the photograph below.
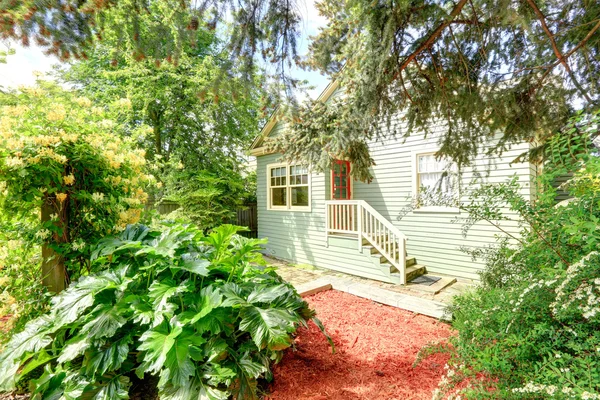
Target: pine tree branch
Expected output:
[462,58]
[431,38]
[584,40]
[561,59]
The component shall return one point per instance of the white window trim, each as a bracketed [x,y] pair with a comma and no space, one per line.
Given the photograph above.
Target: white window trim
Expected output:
[415,185]
[288,206]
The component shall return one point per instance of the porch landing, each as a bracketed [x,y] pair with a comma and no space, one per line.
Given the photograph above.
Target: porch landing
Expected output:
[442,291]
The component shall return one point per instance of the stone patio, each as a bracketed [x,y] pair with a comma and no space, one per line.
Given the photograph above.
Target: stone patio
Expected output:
[299,274]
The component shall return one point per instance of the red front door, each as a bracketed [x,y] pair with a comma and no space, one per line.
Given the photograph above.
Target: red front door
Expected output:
[341,182]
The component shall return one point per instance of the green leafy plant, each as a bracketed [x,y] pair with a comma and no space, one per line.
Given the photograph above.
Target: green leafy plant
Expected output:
[206,199]
[59,155]
[532,329]
[190,309]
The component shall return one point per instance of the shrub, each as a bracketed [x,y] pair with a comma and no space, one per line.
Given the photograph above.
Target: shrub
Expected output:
[532,330]
[189,309]
[61,155]
[22,295]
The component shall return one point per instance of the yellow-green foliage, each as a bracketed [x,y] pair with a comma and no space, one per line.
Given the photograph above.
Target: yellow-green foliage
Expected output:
[62,150]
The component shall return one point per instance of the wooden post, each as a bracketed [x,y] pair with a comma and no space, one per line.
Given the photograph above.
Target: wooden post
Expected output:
[359,227]
[327,225]
[53,264]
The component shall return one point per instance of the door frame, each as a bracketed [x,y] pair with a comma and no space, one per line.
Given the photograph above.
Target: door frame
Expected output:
[349,184]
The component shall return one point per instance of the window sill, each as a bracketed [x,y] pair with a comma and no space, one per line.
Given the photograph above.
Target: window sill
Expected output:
[303,209]
[440,210]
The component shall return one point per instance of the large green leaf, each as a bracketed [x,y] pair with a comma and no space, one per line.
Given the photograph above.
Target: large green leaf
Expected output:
[220,375]
[34,338]
[71,303]
[115,389]
[196,266]
[178,365]
[161,291]
[108,358]
[220,239]
[49,386]
[217,321]
[106,321]
[155,345]
[143,313]
[233,295]
[193,390]
[248,371]
[267,326]
[40,358]
[75,387]
[210,298]
[266,294]
[216,349]
[130,239]
[164,246]
[74,348]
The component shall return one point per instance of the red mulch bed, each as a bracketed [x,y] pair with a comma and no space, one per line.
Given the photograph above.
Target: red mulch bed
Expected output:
[376,346]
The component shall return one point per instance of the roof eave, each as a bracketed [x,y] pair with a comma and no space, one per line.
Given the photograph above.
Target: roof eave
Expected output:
[257,144]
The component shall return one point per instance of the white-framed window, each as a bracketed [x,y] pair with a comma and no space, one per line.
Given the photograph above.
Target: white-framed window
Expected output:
[435,182]
[288,187]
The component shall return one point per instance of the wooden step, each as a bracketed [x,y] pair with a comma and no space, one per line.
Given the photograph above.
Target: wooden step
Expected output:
[415,270]
[433,289]
[409,260]
[411,272]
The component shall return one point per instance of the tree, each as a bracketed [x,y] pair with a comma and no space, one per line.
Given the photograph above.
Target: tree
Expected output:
[59,158]
[70,29]
[477,66]
[192,119]
[201,124]
[481,66]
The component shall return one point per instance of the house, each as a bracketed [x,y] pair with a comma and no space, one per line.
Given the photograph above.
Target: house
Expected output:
[333,221]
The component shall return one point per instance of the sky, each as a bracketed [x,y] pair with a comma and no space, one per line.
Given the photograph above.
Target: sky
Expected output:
[20,67]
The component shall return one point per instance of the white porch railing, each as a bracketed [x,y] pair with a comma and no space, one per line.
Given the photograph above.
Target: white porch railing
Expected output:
[357,217]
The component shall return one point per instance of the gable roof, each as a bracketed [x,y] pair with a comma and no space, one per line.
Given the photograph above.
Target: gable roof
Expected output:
[257,148]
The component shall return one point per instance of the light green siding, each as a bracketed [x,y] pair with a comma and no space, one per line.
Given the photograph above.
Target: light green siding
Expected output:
[433,237]
[300,236]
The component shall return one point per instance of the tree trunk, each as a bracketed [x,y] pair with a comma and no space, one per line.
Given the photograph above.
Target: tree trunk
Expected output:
[54,275]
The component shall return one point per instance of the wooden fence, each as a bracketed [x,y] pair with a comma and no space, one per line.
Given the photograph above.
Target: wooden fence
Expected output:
[247,216]
[164,207]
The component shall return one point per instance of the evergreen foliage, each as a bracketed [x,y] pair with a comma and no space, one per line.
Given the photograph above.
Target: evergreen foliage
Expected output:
[474,67]
[69,29]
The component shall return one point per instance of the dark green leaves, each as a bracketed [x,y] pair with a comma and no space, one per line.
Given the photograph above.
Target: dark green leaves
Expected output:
[108,357]
[162,310]
[267,326]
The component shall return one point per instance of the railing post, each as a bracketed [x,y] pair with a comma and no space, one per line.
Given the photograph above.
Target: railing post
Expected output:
[403,261]
[327,227]
[359,222]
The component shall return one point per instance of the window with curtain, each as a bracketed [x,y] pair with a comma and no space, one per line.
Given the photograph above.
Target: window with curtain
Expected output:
[289,187]
[435,179]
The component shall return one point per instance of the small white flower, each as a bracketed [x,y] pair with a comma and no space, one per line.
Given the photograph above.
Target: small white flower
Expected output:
[98,197]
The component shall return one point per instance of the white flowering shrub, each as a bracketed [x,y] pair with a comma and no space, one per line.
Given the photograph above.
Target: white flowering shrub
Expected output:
[532,329]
